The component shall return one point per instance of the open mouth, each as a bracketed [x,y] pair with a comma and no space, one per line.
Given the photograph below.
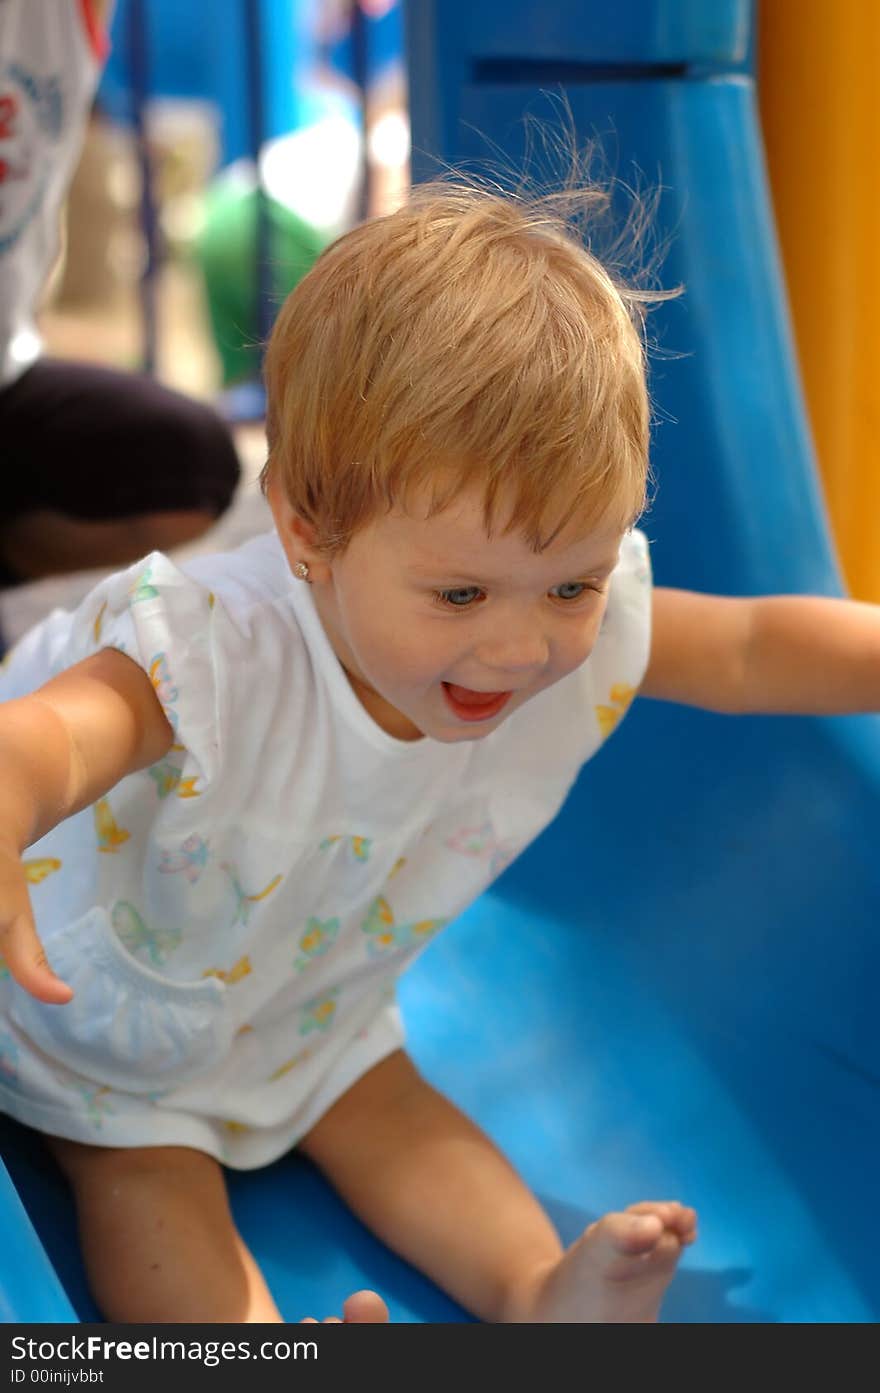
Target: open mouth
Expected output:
[474,706]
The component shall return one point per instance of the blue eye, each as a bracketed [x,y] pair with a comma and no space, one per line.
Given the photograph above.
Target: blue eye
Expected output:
[577,585]
[453,599]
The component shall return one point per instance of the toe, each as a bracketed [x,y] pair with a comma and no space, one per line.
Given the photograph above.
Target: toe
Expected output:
[626,1235]
[365,1307]
[681,1219]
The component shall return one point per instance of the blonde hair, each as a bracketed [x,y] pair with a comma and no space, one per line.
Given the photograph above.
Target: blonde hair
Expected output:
[469,338]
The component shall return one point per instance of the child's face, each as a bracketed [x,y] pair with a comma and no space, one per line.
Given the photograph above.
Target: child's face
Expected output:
[510,621]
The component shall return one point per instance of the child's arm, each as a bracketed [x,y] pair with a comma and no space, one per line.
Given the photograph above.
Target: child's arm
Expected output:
[798,654]
[60,749]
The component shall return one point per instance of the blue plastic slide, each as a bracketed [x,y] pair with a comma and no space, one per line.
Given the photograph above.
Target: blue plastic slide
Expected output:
[672,993]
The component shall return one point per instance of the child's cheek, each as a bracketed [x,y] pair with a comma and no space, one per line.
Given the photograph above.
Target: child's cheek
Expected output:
[576,652]
[409,658]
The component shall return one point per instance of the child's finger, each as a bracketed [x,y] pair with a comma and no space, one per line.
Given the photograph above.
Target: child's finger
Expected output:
[25,957]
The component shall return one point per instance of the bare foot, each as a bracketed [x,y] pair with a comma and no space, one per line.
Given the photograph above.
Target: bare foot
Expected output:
[362,1308]
[618,1270]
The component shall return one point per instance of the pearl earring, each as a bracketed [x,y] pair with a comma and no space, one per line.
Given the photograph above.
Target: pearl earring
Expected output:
[301,571]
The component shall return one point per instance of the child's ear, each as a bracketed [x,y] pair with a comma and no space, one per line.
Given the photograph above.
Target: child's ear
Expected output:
[296,535]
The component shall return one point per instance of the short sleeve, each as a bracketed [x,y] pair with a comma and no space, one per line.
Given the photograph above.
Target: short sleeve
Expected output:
[617,665]
[167,623]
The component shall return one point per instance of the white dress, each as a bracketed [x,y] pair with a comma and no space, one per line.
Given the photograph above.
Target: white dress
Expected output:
[233,920]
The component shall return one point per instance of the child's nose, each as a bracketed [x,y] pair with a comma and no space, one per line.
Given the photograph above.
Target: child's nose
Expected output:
[519,650]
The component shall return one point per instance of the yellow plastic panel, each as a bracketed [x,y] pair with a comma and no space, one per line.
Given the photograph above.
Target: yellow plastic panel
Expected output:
[820,107]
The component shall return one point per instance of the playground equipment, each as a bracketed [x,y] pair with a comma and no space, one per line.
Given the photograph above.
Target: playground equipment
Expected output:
[671,994]
[821,124]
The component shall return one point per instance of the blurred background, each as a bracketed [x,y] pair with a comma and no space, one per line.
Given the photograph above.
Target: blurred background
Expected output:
[295,105]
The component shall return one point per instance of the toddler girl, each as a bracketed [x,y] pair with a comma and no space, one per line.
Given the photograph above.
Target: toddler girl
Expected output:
[240,795]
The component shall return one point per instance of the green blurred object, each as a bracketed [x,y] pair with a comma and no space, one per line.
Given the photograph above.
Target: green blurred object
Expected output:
[226,251]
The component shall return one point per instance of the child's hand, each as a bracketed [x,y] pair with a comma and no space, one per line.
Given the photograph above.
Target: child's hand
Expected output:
[20,946]
[61,749]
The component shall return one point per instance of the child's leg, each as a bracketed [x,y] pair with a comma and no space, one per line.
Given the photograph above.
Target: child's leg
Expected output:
[159,1240]
[438,1192]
